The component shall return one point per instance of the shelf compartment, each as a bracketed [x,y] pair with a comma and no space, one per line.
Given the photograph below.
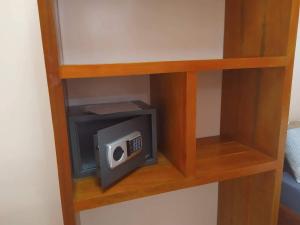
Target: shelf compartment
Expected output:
[128,69]
[222,159]
[217,160]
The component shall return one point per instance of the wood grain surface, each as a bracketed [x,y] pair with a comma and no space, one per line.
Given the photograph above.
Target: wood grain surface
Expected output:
[174,96]
[56,94]
[130,69]
[255,103]
[216,161]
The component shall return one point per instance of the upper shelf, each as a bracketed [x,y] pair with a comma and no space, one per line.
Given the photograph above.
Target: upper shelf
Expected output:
[128,69]
[152,37]
[171,36]
[216,161]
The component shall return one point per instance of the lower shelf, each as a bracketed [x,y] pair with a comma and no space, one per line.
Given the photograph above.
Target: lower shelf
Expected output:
[216,161]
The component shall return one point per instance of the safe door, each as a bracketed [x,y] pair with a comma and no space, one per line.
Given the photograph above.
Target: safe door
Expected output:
[122,148]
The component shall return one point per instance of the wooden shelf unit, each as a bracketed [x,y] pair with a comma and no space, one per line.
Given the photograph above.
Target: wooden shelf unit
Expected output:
[259,47]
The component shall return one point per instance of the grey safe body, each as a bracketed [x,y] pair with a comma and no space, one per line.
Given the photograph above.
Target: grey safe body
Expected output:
[94,134]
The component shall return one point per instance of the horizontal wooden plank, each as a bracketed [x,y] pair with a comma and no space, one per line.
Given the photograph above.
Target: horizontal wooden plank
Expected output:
[227,160]
[216,161]
[129,69]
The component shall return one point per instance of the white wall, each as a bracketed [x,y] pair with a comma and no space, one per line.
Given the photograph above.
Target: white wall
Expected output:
[186,207]
[295,98]
[89,91]
[209,104]
[108,31]
[28,174]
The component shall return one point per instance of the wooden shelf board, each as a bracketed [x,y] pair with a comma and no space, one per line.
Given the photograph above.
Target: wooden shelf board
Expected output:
[129,69]
[220,160]
[216,161]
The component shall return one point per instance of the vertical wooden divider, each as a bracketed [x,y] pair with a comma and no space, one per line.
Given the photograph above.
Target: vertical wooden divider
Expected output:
[255,104]
[56,93]
[174,96]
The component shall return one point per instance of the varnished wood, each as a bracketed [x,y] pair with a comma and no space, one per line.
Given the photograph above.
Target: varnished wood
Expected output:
[225,159]
[251,99]
[256,28]
[56,93]
[216,160]
[247,200]
[190,123]
[288,216]
[287,84]
[251,102]
[129,69]
[174,96]
[259,44]
[255,103]
[288,77]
